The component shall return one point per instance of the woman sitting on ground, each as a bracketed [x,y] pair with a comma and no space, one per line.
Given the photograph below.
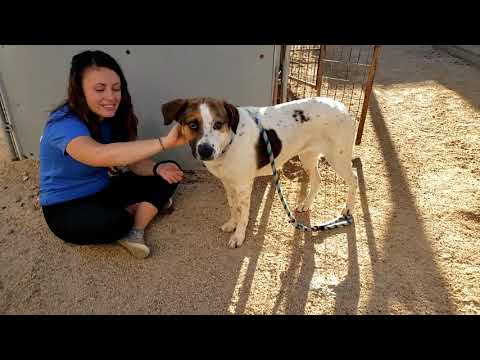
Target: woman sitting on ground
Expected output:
[84,197]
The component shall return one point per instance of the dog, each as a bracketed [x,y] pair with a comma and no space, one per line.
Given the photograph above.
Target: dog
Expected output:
[228,142]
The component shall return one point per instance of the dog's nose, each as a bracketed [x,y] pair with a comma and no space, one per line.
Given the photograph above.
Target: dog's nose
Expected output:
[205,151]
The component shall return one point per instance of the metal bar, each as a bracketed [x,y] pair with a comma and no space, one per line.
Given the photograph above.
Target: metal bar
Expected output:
[304,73]
[368,91]
[8,140]
[308,70]
[15,149]
[362,92]
[275,71]
[303,62]
[297,72]
[301,81]
[306,48]
[326,70]
[336,83]
[348,62]
[336,79]
[294,71]
[353,84]
[318,84]
[285,72]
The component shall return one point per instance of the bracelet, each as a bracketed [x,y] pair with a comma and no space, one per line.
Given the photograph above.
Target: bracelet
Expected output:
[160,140]
[155,169]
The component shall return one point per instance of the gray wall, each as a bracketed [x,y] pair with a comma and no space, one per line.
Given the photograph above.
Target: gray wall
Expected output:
[34,80]
[469,53]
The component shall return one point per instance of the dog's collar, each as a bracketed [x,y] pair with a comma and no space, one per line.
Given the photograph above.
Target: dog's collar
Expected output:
[233,135]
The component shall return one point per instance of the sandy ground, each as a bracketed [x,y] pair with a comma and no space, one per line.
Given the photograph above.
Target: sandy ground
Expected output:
[413,249]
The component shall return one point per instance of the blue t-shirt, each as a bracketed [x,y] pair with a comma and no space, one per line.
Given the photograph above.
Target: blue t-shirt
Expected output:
[63,178]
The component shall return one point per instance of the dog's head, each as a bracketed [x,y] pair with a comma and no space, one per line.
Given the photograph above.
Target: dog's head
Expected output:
[207,124]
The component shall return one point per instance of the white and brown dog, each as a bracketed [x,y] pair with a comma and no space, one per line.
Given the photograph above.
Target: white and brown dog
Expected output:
[227,139]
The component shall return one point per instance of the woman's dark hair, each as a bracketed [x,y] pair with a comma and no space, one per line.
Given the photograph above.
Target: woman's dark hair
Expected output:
[124,123]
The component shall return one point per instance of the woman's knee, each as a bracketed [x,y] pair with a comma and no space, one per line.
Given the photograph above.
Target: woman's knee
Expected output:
[160,195]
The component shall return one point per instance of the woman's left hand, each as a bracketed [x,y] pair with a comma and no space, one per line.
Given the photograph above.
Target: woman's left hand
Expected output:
[170,172]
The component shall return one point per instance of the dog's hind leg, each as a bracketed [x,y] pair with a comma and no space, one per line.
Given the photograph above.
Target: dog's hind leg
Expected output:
[310,164]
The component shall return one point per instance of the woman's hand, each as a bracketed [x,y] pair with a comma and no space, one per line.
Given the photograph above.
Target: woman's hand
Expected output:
[174,138]
[170,172]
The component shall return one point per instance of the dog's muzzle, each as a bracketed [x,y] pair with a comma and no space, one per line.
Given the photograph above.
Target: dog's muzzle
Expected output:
[205,151]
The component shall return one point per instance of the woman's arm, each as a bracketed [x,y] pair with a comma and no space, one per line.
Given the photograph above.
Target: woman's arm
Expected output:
[143,167]
[90,152]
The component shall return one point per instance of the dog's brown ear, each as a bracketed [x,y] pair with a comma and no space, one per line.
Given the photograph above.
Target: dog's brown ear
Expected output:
[233,116]
[172,110]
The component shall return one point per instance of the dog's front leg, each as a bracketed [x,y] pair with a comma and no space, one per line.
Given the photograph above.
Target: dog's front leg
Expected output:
[243,195]
[231,224]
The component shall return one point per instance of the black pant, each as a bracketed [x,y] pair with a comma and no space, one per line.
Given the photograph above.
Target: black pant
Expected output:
[102,218]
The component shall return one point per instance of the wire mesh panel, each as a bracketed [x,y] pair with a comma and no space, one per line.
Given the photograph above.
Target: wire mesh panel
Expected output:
[343,72]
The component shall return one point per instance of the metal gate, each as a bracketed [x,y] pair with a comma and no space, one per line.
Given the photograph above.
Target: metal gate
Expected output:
[343,72]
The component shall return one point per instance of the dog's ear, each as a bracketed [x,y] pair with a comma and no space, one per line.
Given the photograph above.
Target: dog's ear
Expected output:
[173,109]
[233,116]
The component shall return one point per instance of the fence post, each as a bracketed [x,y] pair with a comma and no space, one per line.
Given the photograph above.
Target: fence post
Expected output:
[7,127]
[285,71]
[320,69]
[368,91]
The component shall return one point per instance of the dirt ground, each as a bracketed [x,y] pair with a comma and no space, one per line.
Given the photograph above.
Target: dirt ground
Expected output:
[413,249]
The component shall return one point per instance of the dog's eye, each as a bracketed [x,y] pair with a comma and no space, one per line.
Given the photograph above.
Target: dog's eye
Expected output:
[218,125]
[193,125]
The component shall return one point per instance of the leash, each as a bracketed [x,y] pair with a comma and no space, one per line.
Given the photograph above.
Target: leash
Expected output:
[329,225]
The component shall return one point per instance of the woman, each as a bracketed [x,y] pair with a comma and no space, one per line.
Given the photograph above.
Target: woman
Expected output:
[84,197]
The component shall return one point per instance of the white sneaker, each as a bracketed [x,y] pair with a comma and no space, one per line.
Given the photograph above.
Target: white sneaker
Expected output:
[135,244]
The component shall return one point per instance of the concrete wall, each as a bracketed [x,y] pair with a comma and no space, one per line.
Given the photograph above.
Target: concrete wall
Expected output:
[469,53]
[35,80]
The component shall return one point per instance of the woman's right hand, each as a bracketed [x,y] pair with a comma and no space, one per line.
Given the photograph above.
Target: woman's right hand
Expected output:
[174,138]
[170,172]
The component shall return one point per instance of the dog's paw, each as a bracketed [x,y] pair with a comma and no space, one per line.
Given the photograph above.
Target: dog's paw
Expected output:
[229,226]
[346,212]
[302,207]
[235,241]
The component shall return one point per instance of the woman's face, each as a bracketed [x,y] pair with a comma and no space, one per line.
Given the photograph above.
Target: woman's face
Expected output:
[102,90]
